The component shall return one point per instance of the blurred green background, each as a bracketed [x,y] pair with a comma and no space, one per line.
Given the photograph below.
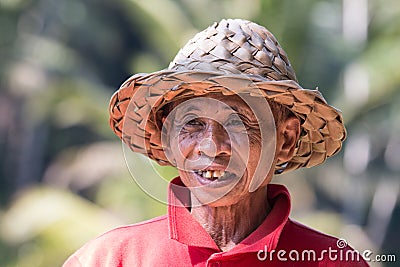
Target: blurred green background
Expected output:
[63,178]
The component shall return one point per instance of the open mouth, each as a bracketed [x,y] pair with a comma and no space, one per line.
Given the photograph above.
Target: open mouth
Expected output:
[211,174]
[216,177]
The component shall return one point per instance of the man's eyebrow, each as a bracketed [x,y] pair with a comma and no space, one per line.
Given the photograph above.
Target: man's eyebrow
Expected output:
[237,108]
[189,108]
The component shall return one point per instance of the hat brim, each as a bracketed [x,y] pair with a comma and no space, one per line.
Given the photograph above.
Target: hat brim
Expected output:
[133,110]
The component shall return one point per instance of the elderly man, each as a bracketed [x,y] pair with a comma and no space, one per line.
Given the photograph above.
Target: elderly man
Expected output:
[228,113]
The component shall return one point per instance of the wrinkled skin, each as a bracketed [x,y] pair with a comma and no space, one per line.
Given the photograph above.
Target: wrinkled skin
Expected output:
[223,134]
[217,133]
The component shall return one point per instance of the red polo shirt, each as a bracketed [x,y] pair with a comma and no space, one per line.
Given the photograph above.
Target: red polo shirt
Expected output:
[177,239]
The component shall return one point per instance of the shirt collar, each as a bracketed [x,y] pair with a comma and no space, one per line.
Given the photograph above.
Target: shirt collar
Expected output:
[185,229]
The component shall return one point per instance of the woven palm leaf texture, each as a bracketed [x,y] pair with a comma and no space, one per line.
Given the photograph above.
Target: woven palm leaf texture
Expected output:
[233,53]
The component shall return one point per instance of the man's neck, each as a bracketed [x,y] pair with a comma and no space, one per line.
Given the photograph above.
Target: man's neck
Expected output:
[229,225]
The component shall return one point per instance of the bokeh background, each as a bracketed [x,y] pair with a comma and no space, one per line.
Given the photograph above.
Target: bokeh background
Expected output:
[63,177]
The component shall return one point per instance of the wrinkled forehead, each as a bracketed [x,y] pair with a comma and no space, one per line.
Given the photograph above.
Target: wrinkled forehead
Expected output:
[216,103]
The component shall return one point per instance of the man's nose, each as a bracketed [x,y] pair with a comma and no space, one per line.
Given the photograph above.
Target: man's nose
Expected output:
[216,141]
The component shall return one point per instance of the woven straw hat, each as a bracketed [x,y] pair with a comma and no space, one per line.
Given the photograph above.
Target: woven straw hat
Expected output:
[233,53]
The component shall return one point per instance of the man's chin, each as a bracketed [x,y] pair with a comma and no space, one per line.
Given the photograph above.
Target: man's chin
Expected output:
[213,197]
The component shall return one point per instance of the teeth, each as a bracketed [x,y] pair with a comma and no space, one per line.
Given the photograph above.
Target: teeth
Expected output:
[211,174]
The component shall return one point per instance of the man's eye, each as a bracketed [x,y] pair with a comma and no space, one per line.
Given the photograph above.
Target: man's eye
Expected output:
[194,122]
[234,122]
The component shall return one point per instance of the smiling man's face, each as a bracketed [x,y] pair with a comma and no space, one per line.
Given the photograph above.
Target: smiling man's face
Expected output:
[216,143]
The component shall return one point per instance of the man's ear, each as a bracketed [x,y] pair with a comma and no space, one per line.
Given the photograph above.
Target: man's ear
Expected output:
[287,136]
